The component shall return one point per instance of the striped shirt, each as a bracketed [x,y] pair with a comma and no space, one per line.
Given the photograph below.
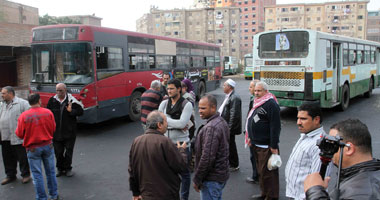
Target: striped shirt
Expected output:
[303,161]
[150,100]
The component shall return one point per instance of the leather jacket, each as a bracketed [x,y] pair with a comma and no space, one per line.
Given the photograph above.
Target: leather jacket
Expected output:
[360,181]
[232,113]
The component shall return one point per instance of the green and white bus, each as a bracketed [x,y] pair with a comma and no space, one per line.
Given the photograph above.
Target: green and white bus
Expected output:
[231,65]
[304,65]
[248,67]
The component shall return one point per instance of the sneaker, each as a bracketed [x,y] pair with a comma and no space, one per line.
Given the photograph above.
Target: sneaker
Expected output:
[234,169]
[251,180]
[60,173]
[26,179]
[69,173]
[8,180]
[257,197]
[57,198]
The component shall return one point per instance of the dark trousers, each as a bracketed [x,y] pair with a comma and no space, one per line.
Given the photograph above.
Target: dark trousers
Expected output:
[234,158]
[64,153]
[255,176]
[269,180]
[12,154]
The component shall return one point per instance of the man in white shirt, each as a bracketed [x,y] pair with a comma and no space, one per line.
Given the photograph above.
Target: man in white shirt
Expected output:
[230,110]
[304,158]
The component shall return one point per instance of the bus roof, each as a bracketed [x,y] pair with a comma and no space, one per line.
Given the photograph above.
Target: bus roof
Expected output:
[124,32]
[325,35]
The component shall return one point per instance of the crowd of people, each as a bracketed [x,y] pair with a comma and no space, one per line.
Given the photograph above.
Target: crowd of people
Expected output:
[31,135]
[214,148]
[174,153]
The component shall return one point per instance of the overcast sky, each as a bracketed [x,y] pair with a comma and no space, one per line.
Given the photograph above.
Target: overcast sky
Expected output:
[123,14]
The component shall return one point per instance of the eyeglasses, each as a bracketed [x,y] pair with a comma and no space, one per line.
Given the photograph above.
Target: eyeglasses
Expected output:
[59,90]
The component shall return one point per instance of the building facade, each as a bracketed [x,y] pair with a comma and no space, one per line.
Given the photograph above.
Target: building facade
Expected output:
[16,23]
[87,19]
[347,18]
[373,26]
[213,25]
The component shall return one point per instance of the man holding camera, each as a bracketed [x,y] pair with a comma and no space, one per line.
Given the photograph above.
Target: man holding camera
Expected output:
[360,175]
[304,158]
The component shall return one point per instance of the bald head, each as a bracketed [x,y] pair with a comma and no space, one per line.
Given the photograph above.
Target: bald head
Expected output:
[156,120]
[61,90]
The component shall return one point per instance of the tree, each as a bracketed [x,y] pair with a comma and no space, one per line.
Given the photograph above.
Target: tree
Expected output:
[49,20]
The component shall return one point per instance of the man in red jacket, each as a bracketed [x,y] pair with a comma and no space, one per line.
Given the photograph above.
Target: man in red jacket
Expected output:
[36,126]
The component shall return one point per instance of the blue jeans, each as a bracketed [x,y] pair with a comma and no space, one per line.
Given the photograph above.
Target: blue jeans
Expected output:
[212,190]
[186,178]
[46,155]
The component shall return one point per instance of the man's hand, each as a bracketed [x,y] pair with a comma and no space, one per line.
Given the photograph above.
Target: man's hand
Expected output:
[315,179]
[274,151]
[249,142]
[69,107]
[183,145]
[196,187]
[137,198]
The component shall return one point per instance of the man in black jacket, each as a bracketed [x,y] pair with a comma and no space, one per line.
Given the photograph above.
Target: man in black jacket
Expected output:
[264,128]
[65,109]
[230,110]
[360,176]
[211,151]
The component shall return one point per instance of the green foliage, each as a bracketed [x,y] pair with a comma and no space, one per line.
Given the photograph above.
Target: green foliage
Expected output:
[49,20]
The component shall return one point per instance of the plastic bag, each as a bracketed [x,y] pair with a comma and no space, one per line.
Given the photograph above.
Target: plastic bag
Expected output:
[274,162]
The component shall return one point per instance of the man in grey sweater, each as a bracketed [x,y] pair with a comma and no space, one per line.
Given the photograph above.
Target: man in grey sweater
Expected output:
[178,112]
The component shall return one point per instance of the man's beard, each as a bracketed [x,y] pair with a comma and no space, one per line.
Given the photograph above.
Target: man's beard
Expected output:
[175,96]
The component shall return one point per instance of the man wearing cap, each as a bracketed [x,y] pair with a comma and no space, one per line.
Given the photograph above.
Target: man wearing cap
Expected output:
[230,110]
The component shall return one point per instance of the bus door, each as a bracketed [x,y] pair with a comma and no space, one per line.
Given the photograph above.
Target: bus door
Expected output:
[336,71]
[377,57]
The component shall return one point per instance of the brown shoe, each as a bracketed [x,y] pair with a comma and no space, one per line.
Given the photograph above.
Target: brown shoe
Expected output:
[26,179]
[8,180]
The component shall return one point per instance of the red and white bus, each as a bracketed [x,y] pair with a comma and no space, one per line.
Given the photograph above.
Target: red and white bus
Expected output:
[108,69]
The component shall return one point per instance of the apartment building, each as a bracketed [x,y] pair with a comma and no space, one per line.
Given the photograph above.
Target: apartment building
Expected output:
[347,18]
[213,25]
[16,23]
[373,26]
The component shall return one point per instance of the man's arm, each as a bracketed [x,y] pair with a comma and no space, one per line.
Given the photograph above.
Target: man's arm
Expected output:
[235,113]
[20,130]
[184,119]
[76,110]
[275,125]
[314,187]
[177,158]
[133,180]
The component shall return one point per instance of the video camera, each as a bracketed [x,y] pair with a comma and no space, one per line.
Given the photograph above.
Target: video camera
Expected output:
[329,145]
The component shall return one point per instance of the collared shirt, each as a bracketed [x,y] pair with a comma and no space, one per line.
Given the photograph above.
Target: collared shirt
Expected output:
[303,160]
[59,100]
[221,108]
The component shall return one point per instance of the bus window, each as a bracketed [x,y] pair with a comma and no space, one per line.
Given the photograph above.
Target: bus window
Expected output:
[210,61]
[109,59]
[360,54]
[164,62]
[345,54]
[373,58]
[183,62]
[352,54]
[152,63]
[198,61]
[328,54]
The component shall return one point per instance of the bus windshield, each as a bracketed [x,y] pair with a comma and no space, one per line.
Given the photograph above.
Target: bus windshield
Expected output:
[69,63]
[248,61]
[292,44]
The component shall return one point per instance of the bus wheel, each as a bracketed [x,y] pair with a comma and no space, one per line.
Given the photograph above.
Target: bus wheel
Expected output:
[369,93]
[135,106]
[345,98]
[201,89]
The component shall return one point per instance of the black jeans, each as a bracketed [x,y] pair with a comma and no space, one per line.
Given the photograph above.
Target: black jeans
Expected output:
[64,153]
[234,158]
[255,176]
[12,154]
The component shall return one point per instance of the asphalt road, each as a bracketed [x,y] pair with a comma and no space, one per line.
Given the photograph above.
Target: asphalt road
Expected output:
[101,153]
